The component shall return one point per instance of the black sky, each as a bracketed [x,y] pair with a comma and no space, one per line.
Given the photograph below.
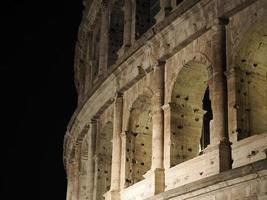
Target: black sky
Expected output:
[37,95]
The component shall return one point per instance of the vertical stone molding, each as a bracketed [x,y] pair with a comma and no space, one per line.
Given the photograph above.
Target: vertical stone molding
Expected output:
[70,181]
[123,159]
[167,108]
[219,135]
[91,152]
[104,27]
[114,193]
[232,103]
[76,177]
[157,117]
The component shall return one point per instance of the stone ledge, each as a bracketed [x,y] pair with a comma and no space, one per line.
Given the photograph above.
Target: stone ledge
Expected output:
[251,169]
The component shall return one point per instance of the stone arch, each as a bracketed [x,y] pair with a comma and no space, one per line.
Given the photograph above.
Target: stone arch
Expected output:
[189,121]
[139,139]
[103,159]
[197,57]
[251,81]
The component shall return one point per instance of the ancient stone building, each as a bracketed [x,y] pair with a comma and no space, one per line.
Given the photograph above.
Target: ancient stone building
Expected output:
[172,101]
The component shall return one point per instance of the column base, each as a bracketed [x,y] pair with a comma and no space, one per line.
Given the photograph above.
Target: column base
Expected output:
[222,149]
[157,178]
[112,195]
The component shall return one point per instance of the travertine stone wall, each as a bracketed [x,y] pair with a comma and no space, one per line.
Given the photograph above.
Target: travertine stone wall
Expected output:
[172,101]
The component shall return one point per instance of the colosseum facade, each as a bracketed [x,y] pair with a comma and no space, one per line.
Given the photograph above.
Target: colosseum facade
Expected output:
[172,101]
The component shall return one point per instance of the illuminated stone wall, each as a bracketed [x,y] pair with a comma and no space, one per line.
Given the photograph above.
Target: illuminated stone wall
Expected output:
[172,101]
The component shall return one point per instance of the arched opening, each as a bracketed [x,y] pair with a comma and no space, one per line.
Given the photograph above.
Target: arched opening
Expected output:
[146,12]
[190,113]
[139,141]
[115,32]
[251,82]
[96,46]
[104,160]
[208,116]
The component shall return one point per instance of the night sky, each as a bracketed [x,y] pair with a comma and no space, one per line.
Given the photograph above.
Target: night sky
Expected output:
[38,95]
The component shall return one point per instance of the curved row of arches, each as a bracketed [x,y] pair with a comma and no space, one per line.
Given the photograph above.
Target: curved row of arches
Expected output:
[190,122]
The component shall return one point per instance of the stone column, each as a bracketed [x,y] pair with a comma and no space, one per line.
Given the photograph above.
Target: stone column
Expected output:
[76,181]
[157,168]
[219,95]
[123,159]
[91,153]
[219,138]
[95,190]
[104,28]
[116,149]
[127,33]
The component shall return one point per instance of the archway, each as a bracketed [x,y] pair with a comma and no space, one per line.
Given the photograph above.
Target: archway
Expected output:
[251,82]
[139,141]
[190,113]
[146,12]
[115,31]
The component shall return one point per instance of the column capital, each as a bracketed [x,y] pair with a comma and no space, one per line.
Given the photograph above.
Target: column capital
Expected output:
[118,95]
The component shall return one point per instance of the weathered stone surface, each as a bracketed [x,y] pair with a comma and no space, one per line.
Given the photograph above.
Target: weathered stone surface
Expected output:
[172,101]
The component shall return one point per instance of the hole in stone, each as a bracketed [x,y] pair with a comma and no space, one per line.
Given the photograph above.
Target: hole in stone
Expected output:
[211,162]
[247,110]
[197,119]
[182,116]
[180,127]
[178,96]
[135,134]
[147,127]
[134,161]
[243,60]
[143,144]
[106,172]
[241,80]
[245,94]
[142,163]
[186,98]
[173,133]
[189,149]
[182,147]
[137,126]
[200,173]
[196,110]
[255,65]
[127,159]
[128,150]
